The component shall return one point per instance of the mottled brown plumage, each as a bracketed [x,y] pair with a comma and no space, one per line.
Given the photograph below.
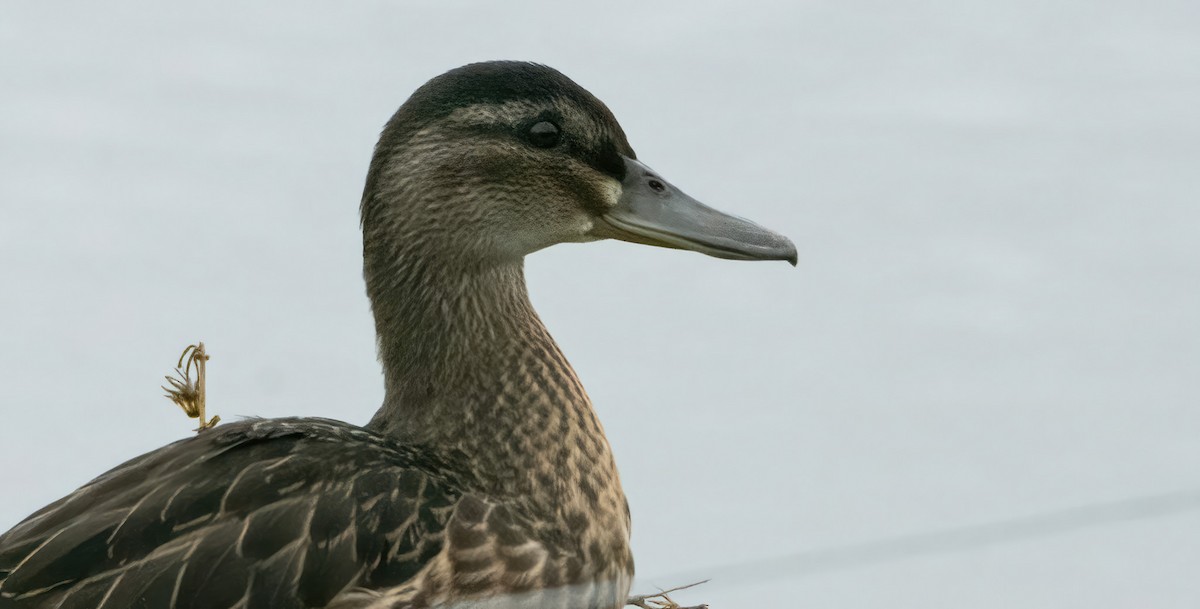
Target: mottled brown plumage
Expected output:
[485,479]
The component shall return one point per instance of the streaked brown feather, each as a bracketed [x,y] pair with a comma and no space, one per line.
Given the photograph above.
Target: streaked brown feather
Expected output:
[484,478]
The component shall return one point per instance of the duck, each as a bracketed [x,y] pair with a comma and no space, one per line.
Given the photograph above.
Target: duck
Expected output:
[485,479]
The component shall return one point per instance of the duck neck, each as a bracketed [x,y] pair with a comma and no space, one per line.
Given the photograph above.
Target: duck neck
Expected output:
[469,368]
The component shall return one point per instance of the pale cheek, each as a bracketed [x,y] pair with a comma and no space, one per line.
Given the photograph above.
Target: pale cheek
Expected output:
[611,193]
[574,228]
[583,233]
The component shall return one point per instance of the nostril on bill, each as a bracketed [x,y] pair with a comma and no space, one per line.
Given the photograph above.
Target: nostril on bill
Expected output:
[656,186]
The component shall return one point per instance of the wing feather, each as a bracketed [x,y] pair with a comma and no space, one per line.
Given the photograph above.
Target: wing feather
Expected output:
[262,513]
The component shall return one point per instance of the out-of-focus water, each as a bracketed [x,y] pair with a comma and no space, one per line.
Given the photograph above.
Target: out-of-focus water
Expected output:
[995,314]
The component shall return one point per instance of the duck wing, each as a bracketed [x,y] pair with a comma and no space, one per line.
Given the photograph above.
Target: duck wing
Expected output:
[260,513]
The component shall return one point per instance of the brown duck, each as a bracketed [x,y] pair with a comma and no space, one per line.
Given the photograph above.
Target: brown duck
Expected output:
[485,479]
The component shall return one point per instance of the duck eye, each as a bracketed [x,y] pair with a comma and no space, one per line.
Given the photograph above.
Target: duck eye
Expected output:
[544,134]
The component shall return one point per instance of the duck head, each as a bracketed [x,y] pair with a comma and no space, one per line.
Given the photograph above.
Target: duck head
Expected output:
[493,161]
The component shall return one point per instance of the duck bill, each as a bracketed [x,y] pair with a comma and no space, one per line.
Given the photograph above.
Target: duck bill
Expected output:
[653,212]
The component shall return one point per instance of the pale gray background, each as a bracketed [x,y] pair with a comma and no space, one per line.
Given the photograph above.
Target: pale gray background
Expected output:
[995,315]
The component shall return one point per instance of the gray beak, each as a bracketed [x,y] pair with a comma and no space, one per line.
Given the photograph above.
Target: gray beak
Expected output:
[653,212]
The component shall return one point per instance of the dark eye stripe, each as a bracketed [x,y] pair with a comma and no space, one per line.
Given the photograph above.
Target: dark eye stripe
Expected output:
[544,134]
[606,159]
[604,156]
